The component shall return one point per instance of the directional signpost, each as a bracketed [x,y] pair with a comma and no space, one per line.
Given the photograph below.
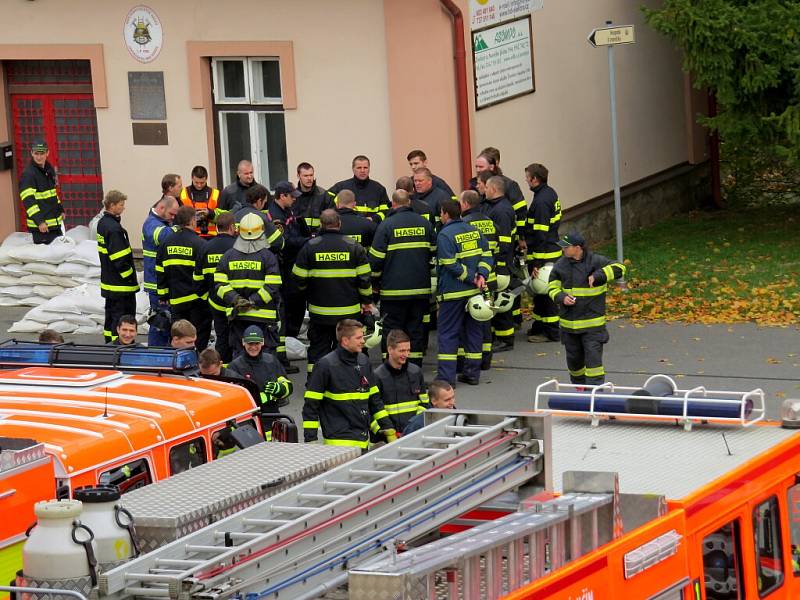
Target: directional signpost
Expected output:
[610,36]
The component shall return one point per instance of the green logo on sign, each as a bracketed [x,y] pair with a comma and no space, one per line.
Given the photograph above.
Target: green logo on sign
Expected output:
[480,44]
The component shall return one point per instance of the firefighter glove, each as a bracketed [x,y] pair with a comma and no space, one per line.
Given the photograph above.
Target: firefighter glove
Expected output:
[390,434]
[272,388]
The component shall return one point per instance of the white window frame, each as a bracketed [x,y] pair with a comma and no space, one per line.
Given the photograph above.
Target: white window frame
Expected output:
[250,81]
[257,150]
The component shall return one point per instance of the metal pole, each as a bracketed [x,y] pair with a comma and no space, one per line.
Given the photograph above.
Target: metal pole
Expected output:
[612,88]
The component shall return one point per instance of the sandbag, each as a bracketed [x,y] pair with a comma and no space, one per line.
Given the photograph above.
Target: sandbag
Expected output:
[9,280]
[88,330]
[43,268]
[48,291]
[17,291]
[18,238]
[8,301]
[86,254]
[93,273]
[71,269]
[15,269]
[295,349]
[78,234]
[56,252]
[24,326]
[62,326]
[32,301]
[34,279]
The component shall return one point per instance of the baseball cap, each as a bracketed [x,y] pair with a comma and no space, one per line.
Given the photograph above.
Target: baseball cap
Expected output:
[286,187]
[39,146]
[571,239]
[253,334]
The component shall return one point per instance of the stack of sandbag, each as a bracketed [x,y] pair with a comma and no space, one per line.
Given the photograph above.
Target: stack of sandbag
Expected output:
[31,274]
[79,310]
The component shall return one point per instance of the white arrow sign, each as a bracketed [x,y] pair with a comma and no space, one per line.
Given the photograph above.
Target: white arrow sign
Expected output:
[608,36]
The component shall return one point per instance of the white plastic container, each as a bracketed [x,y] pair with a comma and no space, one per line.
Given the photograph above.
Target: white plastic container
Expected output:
[50,551]
[103,514]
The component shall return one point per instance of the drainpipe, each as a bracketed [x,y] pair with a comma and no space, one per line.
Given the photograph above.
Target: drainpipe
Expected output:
[462,98]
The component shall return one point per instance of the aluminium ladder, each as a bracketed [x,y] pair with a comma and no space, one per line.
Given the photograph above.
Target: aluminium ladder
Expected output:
[294,542]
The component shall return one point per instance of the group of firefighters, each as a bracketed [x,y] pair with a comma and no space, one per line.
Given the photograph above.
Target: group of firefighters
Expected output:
[249,264]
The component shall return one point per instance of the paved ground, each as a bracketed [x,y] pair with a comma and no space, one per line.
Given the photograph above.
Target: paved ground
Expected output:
[721,357]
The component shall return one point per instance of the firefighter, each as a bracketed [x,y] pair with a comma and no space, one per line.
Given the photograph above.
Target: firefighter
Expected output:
[37,190]
[256,199]
[182,335]
[156,230]
[541,242]
[210,363]
[420,207]
[354,224]
[464,262]
[126,331]
[171,185]
[400,382]
[334,272]
[232,196]
[371,198]
[400,258]
[418,160]
[263,369]
[179,270]
[578,285]
[499,210]
[470,202]
[342,396]
[118,283]
[441,395]
[205,200]
[295,234]
[425,191]
[247,282]
[216,247]
[313,199]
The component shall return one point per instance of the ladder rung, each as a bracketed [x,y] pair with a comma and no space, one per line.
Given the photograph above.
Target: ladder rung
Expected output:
[234,535]
[399,462]
[297,510]
[437,439]
[198,548]
[323,497]
[370,473]
[152,577]
[148,592]
[464,428]
[178,562]
[429,451]
[345,485]
[166,571]
[265,522]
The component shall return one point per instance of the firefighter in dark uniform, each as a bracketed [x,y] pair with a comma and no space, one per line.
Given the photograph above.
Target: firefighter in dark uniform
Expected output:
[541,241]
[578,285]
[232,196]
[342,396]
[179,273]
[257,198]
[401,383]
[295,235]
[247,281]
[371,198]
[118,283]
[263,369]
[216,248]
[313,199]
[37,190]
[400,258]
[417,159]
[471,212]
[464,262]
[499,210]
[420,207]
[334,272]
[354,225]
[204,199]
[425,191]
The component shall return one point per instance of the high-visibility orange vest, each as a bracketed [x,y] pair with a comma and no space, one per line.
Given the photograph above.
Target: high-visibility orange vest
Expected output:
[206,198]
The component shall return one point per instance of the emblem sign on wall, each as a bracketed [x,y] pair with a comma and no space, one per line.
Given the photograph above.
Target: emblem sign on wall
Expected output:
[143,34]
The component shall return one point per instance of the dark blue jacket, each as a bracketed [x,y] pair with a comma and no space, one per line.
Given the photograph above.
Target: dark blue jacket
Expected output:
[461,253]
[155,232]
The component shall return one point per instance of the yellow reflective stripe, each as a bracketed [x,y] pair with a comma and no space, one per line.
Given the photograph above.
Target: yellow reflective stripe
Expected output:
[503,332]
[473,355]
[310,395]
[183,299]
[119,288]
[595,371]
[299,271]
[51,193]
[101,249]
[245,283]
[149,253]
[352,443]
[157,232]
[347,396]
[579,373]
[260,313]
[586,292]
[178,262]
[27,192]
[457,295]
[33,210]
[377,253]
[408,246]
[446,357]
[447,261]
[486,346]
[120,254]
[127,273]
[331,273]
[334,310]
[401,407]
[264,295]
[149,286]
[220,277]
[583,323]
[504,239]
[541,227]
[520,205]
[273,279]
[363,269]
[468,253]
[464,273]
[310,424]
[218,307]
[545,255]
[545,319]
[275,235]
[408,292]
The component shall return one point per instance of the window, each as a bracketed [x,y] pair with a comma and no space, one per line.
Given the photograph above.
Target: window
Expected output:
[793,504]
[769,553]
[722,563]
[130,476]
[248,104]
[223,442]
[187,455]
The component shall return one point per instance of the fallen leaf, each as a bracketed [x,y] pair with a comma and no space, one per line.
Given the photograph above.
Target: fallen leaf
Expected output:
[780,394]
[774,361]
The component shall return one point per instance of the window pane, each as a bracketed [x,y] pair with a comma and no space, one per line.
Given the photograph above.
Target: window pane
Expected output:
[231,80]
[128,477]
[187,456]
[793,502]
[266,81]
[769,555]
[236,142]
[722,563]
[272,148]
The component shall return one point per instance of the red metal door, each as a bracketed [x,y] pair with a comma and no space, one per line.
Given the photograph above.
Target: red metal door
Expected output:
[69,125]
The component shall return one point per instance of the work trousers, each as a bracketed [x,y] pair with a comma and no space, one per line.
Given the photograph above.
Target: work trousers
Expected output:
[46,238]
[237,329]
[155,336]
[503,327]
[545,317]
[115,308]
[456,325]
[294,302]
[198,313]
[585,355]
[321,341]
[406,315]
[223,330]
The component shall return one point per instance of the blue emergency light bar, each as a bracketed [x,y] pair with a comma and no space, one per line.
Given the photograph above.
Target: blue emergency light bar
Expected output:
[125,358]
